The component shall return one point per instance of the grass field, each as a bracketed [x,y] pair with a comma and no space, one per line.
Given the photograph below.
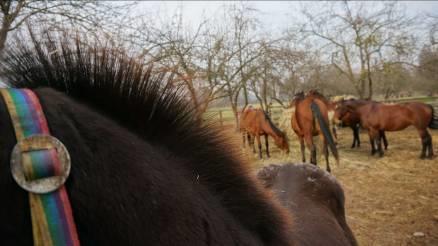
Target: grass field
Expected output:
[388,199]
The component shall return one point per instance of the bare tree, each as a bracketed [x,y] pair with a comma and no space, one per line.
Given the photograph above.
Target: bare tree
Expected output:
[358,40]
[89,15]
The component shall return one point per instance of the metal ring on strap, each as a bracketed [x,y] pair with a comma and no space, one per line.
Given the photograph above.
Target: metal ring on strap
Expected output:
[36,143]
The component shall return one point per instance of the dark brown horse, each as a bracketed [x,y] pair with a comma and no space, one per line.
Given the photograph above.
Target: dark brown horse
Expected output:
[311,119]
[255,123]
[316,201]
[144,170]
[345,115]
[378,117]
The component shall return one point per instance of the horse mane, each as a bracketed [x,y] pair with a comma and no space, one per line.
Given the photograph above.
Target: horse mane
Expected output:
[272,125]
[124,89]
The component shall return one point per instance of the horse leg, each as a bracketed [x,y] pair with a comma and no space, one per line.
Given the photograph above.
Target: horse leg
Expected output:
[252,140]
[309,142]
[379,146]
[373,150]
[383,136]
[260,146]
[335,134]
[356,128]
[424,142]
[430,145]
[303,148]
[267,145]
[354,136]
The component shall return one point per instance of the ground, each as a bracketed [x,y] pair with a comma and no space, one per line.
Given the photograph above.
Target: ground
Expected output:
[387,199]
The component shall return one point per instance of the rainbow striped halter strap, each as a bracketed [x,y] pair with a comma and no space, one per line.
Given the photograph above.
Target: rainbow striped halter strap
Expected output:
[40,164]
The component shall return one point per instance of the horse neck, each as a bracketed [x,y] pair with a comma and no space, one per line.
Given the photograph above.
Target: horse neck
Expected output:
[105,153]
[268,128]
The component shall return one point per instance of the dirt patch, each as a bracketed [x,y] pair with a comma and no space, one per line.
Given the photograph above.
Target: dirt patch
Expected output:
[389,201]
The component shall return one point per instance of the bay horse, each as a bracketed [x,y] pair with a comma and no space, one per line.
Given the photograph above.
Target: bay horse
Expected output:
[144,170]
[311,119]
[331,106]
[256,123]
[315,199]
[378,117]
[345,115]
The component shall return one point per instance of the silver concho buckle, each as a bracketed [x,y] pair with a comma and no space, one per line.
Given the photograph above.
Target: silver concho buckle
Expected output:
[34,143]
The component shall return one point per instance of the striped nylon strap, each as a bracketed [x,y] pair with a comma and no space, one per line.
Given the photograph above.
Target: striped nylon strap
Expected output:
[52,218]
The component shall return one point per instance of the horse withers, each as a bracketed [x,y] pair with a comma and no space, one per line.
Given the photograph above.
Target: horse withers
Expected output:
[377,117]
[314,198]
[255,123]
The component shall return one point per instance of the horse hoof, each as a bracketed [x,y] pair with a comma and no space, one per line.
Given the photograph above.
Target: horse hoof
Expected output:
[380,155]
[422,157]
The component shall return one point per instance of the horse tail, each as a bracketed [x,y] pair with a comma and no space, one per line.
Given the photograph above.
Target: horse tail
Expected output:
[434,119]
[325,130]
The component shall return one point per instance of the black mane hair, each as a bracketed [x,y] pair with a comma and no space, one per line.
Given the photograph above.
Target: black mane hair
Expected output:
[273,126]
[123,89]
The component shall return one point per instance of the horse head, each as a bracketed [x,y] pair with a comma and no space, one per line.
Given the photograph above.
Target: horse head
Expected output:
[343,113]
[283,143]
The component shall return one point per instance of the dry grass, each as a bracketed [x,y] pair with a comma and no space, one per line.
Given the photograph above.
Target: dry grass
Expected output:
[387,199]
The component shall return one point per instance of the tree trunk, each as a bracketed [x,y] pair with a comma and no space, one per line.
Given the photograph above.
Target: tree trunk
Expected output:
[362,88]
[3,35]
[370,80]
[370,87]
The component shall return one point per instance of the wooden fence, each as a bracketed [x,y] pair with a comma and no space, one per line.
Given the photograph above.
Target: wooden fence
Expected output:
[225,116]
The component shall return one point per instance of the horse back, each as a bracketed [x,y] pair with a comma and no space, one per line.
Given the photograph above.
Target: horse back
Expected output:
[253,121]
[423,113]
[394,117]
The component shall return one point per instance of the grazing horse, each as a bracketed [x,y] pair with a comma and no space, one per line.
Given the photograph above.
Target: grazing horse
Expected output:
[378,117]
[256,123]
[144,171]
[316,201]
[345,115]
[311,119]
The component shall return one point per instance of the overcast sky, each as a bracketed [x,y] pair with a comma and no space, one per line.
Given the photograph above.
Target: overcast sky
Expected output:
[274,15]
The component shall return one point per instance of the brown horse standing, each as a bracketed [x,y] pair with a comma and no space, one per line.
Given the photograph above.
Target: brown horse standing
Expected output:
[311,119]
[378,117]
[256,123]
[345,116]
[331,106]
